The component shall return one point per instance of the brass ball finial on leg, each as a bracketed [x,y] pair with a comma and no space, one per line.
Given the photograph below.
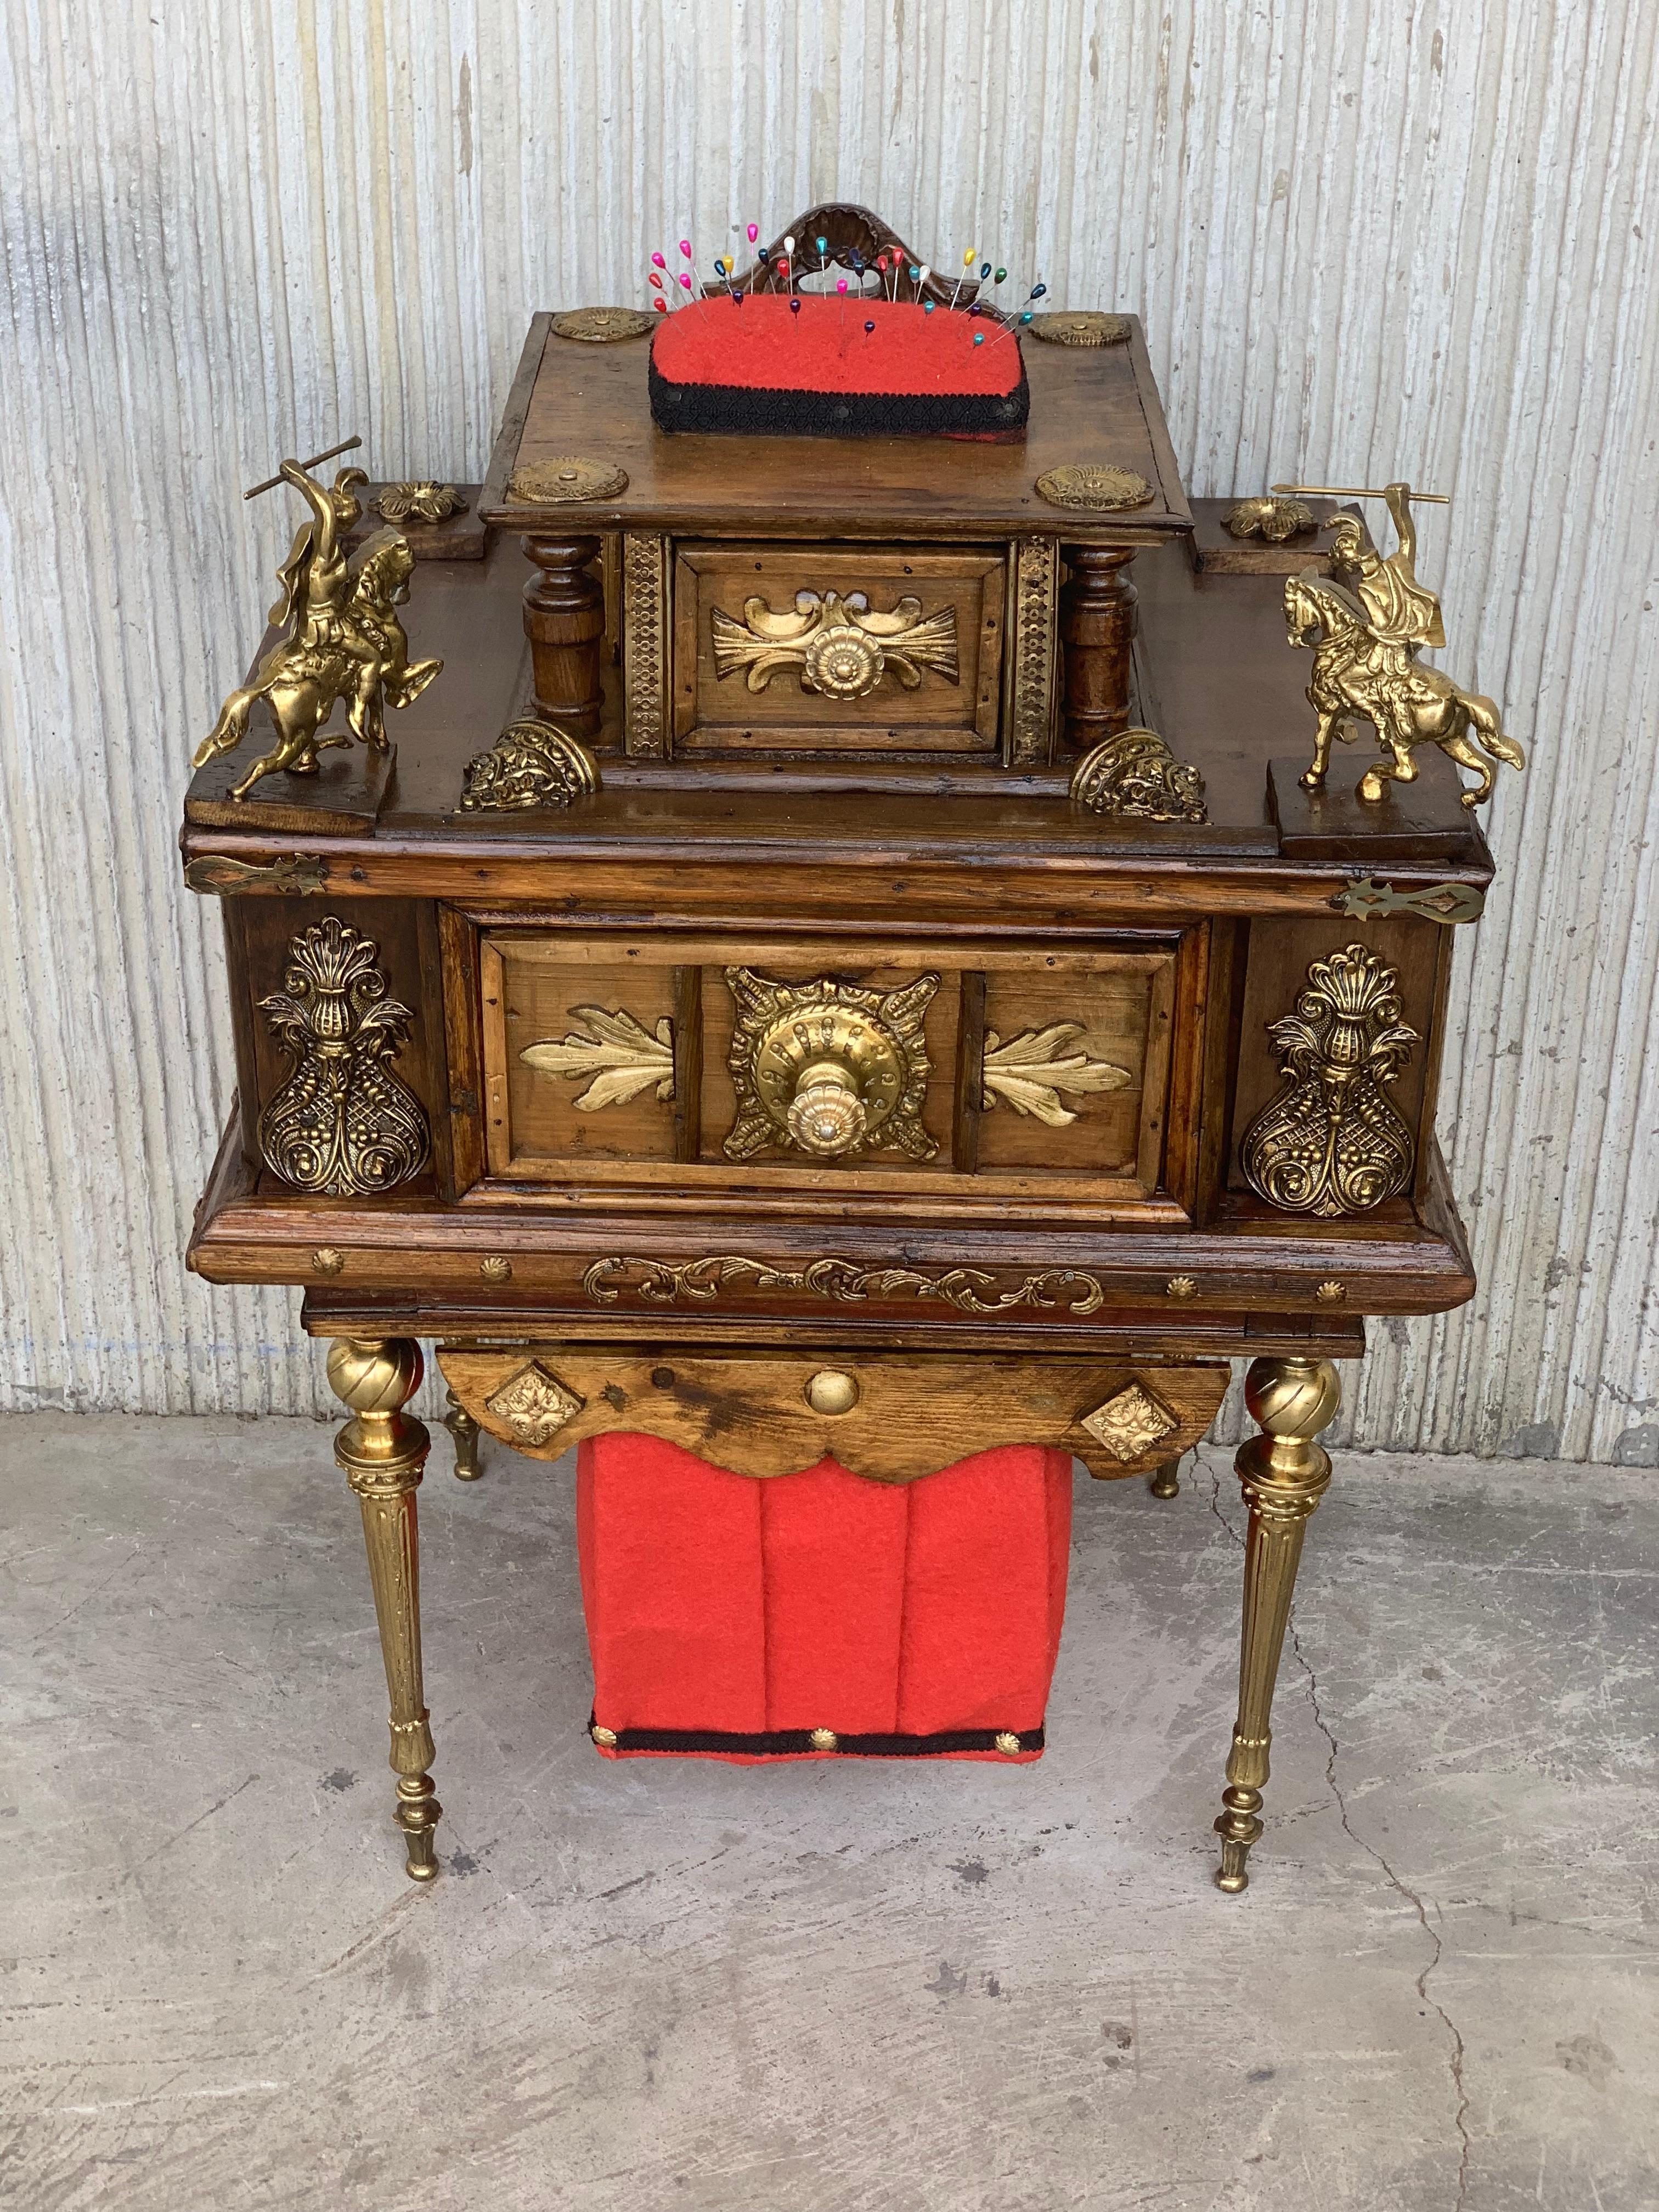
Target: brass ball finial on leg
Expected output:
[1283,1473]
[382,1452]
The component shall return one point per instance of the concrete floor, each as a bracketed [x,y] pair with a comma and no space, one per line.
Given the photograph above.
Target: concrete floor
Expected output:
[970,1988]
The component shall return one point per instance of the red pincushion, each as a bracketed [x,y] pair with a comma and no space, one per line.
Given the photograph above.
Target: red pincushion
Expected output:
[729,1616]
[761,364]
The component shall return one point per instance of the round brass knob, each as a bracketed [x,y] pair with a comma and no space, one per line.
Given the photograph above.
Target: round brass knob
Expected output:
[830,1391]
[826,1115]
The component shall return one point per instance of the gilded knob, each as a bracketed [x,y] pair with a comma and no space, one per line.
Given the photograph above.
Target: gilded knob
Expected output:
[830,1391]
[826,1117]
[377,1376]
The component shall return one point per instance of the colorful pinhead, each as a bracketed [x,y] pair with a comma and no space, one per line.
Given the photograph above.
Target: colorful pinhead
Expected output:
[794,307]
[926,306]
[985,270]
[657,261]
[979,337]
[754,232]
[822,244]
[661,305]
[685,280]
[841,286]
[967,258]
[686,248]
[1002,275]
[868,328]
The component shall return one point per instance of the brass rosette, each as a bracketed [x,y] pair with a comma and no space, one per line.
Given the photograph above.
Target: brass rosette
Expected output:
[567,480]
[1089,485]
[1082,327]
[601,326]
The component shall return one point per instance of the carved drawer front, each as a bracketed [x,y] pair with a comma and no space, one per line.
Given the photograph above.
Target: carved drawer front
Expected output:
[796,649]
[719,1062]
[888,1417]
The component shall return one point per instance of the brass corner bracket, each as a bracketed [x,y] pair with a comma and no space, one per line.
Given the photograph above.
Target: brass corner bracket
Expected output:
[1136,775]
[531,763]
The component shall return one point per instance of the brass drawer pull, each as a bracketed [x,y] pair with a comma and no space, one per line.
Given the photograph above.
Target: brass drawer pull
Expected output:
[301,874]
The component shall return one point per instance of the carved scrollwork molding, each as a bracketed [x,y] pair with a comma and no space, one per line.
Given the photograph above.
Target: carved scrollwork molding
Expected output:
[1331,1143]
[1032,1070]
[837,645]
[615,1055]
[343,1124]
[840,1282]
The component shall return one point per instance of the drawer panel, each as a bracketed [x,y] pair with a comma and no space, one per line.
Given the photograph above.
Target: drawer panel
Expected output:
[745,1063]
[891,1418]
[802,649]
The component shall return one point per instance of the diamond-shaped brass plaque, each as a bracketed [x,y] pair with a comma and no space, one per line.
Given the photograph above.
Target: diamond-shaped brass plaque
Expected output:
[534,1404]
[1130,1422]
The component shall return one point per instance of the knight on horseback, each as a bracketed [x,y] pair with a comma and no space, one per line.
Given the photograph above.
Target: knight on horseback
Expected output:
[1365,632]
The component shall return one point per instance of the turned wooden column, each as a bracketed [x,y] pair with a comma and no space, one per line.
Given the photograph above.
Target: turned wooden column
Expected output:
[564,621]
[1097,624]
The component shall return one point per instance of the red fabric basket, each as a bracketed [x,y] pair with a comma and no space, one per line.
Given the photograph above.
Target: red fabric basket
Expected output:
[737,1616]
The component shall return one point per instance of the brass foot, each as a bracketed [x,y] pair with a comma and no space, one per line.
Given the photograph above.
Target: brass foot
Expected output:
[383,1452]
[1166,1480]
[1284,1473]
[464,1434]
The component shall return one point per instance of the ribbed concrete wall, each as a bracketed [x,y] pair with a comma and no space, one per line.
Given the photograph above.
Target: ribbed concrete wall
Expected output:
[1403,238]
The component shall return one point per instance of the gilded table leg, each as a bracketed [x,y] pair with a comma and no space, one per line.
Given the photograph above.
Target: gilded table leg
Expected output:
[464,1434]
[383,1452]
[1283,1475]
[1166,1479]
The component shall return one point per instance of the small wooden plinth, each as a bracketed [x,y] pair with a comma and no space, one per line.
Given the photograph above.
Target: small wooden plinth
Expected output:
[343,799]
[1421,821]
[1217,552]
[463,537]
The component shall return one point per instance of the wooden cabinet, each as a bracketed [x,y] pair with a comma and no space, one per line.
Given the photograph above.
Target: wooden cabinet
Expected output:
[810,1026]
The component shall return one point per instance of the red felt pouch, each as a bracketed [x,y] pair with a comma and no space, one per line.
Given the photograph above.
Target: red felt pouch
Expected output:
[821,1615]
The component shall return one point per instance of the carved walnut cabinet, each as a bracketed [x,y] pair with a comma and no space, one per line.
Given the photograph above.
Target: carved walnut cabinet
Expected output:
[838,962]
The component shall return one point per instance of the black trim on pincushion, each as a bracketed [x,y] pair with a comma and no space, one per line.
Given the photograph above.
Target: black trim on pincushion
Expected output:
[765,412]
[794,1743]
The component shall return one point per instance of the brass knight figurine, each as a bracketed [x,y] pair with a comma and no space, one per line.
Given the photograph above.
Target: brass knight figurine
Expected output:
[1365,636]
[344,640]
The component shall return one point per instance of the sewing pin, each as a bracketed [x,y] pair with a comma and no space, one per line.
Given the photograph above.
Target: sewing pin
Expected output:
[789,263]
[967,263]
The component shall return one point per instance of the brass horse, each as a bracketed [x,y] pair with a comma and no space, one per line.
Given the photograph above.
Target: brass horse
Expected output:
[1358,676]
[361,656]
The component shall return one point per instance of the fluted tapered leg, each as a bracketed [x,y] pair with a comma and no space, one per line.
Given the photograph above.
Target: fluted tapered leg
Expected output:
[383,1451]
[464,1434]
[1283,1475]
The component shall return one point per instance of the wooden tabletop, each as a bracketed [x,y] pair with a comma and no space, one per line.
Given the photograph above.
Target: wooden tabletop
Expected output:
[1096,406]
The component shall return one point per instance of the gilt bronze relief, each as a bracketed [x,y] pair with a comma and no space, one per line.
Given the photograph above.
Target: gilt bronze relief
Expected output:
[343,1124]
[836,645]
[829,1069]
[531,763]
[1331,1143]
[616,1056]
[1029,1072]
